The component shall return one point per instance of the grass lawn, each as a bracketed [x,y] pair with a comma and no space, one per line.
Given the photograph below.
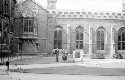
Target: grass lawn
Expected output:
[78,70]
[39,60]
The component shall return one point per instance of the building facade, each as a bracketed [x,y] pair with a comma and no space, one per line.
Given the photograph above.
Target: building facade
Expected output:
[6,27]
[41,30]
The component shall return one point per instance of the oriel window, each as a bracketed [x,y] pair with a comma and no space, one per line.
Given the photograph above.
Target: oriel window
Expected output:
[28,24]
[20,47]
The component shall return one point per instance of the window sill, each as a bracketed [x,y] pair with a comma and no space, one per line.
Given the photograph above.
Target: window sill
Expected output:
[121,51]
[100,51]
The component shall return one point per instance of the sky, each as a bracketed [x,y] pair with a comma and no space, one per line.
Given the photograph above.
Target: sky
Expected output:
[90,5]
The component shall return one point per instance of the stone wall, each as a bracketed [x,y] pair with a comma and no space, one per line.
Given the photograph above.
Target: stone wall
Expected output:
[49,19]
[94,24]
[30,8]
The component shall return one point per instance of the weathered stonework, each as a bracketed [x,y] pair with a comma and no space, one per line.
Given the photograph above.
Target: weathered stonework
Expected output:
[49,19]
[30,8]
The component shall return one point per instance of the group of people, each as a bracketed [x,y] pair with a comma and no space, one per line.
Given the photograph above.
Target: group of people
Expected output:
[64,54]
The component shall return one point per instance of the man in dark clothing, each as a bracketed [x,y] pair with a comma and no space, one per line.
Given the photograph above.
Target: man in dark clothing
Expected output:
[57,54]
[7,64]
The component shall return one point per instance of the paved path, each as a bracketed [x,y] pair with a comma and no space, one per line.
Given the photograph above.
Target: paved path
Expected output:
[30,76]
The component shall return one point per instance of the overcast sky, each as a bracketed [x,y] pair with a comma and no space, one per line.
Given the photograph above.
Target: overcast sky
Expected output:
[96,5]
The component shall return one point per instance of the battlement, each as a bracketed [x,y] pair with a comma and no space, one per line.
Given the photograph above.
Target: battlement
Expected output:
[87,14]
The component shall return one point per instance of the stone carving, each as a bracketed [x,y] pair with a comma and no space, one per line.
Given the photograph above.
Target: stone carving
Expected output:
[87,14]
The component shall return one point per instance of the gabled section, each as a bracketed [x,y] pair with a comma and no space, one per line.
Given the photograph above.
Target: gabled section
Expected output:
[28,8]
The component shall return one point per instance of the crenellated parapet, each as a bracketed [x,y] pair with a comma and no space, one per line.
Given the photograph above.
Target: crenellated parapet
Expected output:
[87,14]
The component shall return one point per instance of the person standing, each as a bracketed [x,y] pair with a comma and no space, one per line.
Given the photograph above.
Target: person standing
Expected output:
[57,54]
[66,54]
[7,64]
[73,55]
[81,55]
[63,54]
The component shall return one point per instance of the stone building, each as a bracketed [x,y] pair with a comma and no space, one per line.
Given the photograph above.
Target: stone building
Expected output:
[41,30]
[6,27]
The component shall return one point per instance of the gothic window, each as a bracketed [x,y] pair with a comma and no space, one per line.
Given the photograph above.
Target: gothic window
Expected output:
[121,39]
[2,5]
[37,46]
[25,25]
[58,38]
[28,24]
[79,38]
[100,38]
[4,38]
[6,7]
[19,47]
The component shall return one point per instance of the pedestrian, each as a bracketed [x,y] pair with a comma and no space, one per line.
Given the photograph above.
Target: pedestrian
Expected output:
[7,64]
[73,55]
[57,54]
[66,54]
[81,55]
[63,55]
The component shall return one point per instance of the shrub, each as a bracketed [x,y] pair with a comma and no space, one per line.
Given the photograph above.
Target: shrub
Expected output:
[98,56]
[117,56]
[77,55]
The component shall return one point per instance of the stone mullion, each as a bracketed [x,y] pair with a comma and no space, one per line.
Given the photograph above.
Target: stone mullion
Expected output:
[33,27]
[100,41]
[121,42]
[90,51]
[79,39]
[28,26]
[23,26]
[121,45]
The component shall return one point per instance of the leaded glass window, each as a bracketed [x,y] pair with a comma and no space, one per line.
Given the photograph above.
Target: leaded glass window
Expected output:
[79,37]
[28,24]
[100,38]
[58,38]
[121,39]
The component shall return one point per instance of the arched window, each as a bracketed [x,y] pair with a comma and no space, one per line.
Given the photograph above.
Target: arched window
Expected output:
[79,37]
[121,39]
[58,38]
[100,38]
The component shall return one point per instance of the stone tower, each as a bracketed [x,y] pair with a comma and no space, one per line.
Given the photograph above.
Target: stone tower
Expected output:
[123,6]
[51,4]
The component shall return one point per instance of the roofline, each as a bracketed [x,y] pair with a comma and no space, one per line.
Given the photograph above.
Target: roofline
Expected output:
[68,10]
[34,2]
